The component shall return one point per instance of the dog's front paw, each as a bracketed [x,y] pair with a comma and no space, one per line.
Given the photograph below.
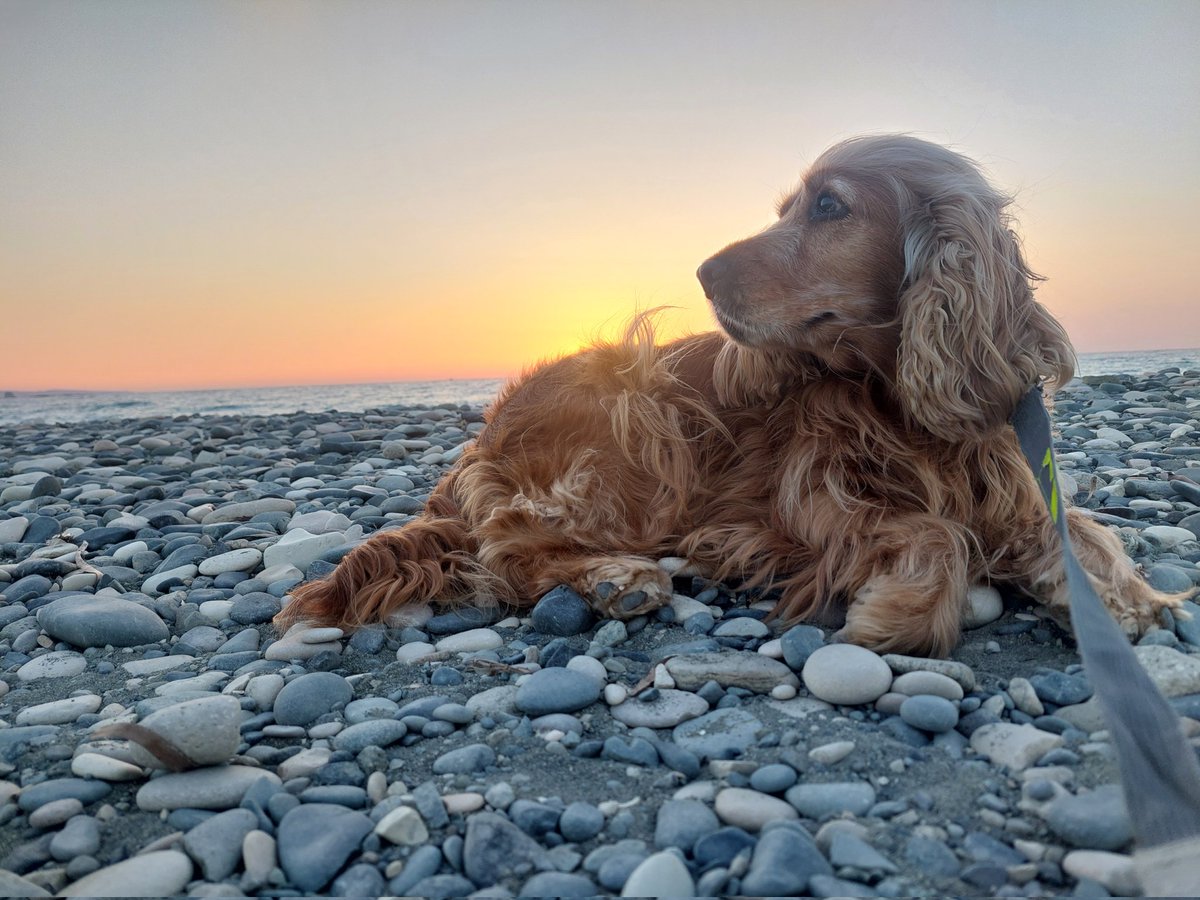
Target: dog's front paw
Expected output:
[624,587]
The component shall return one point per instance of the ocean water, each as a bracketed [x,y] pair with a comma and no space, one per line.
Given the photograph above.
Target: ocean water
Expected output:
[79,406]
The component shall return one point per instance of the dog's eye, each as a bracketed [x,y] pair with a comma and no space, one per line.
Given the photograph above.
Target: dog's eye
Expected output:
[828,207]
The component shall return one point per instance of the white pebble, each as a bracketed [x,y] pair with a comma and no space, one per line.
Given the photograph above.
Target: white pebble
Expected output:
[590,666]
[615,694]
[846,674]
[321,635]
[403,826]
[772,648]
[58,712]
[414,652]
[783,692]
[471,641]
[96,765]
[662,678]
[831,753]
[984,605]
[751,810]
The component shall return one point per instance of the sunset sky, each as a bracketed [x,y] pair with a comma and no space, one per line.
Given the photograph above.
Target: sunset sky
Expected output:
[198,194]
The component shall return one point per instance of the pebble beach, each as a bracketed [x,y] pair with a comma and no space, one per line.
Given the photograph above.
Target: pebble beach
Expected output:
[158,737]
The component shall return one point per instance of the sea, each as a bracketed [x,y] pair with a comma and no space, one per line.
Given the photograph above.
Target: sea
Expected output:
[61,406]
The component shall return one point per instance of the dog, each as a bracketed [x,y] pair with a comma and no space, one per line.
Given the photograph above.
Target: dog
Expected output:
[842,445]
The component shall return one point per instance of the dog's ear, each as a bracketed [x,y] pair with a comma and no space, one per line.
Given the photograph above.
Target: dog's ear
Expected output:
[973,339]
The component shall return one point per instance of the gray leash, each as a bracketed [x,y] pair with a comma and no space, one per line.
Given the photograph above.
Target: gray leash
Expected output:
[1159,770]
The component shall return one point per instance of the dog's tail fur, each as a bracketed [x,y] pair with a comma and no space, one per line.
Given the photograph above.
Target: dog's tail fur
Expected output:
[431,558]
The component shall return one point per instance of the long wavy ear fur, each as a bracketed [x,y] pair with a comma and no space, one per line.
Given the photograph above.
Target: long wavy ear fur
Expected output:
[973,339]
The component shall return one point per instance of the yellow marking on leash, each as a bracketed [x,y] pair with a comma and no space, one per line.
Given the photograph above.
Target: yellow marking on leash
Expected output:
[1048,463]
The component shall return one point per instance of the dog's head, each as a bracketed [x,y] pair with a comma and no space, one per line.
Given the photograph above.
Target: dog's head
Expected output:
[894,256]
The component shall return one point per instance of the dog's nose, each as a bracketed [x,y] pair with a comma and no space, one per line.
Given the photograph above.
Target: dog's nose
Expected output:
[710,273]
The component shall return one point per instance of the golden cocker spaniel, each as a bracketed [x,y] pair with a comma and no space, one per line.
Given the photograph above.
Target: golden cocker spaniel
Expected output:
[843,443]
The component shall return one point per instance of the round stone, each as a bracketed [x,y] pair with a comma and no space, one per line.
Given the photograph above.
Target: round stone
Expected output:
[984,605]
[562,612]
[666,710]
[580,822]
[308,697]
[929,713]
[846,674]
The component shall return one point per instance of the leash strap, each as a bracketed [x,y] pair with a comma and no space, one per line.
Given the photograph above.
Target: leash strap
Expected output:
[1159,770]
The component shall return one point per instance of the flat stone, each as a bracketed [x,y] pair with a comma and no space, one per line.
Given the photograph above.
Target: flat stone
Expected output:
[667,710]
[371,733]
[556,690]
[241,560]
[1095,820]
[238,512]
[465,760]
[106,768]
[720,734]
[216,787]
[1061,689]
[914,683]
[960,672]
[156,664]
[55,664]
[815,801]
[751,671]
[44,792]
[160,873]
[299,548]
[471,641]
[1015,747]
[59,712]
[846,674]
[751,810]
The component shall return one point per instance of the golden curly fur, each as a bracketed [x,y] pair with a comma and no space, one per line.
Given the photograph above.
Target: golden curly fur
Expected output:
[845,444]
